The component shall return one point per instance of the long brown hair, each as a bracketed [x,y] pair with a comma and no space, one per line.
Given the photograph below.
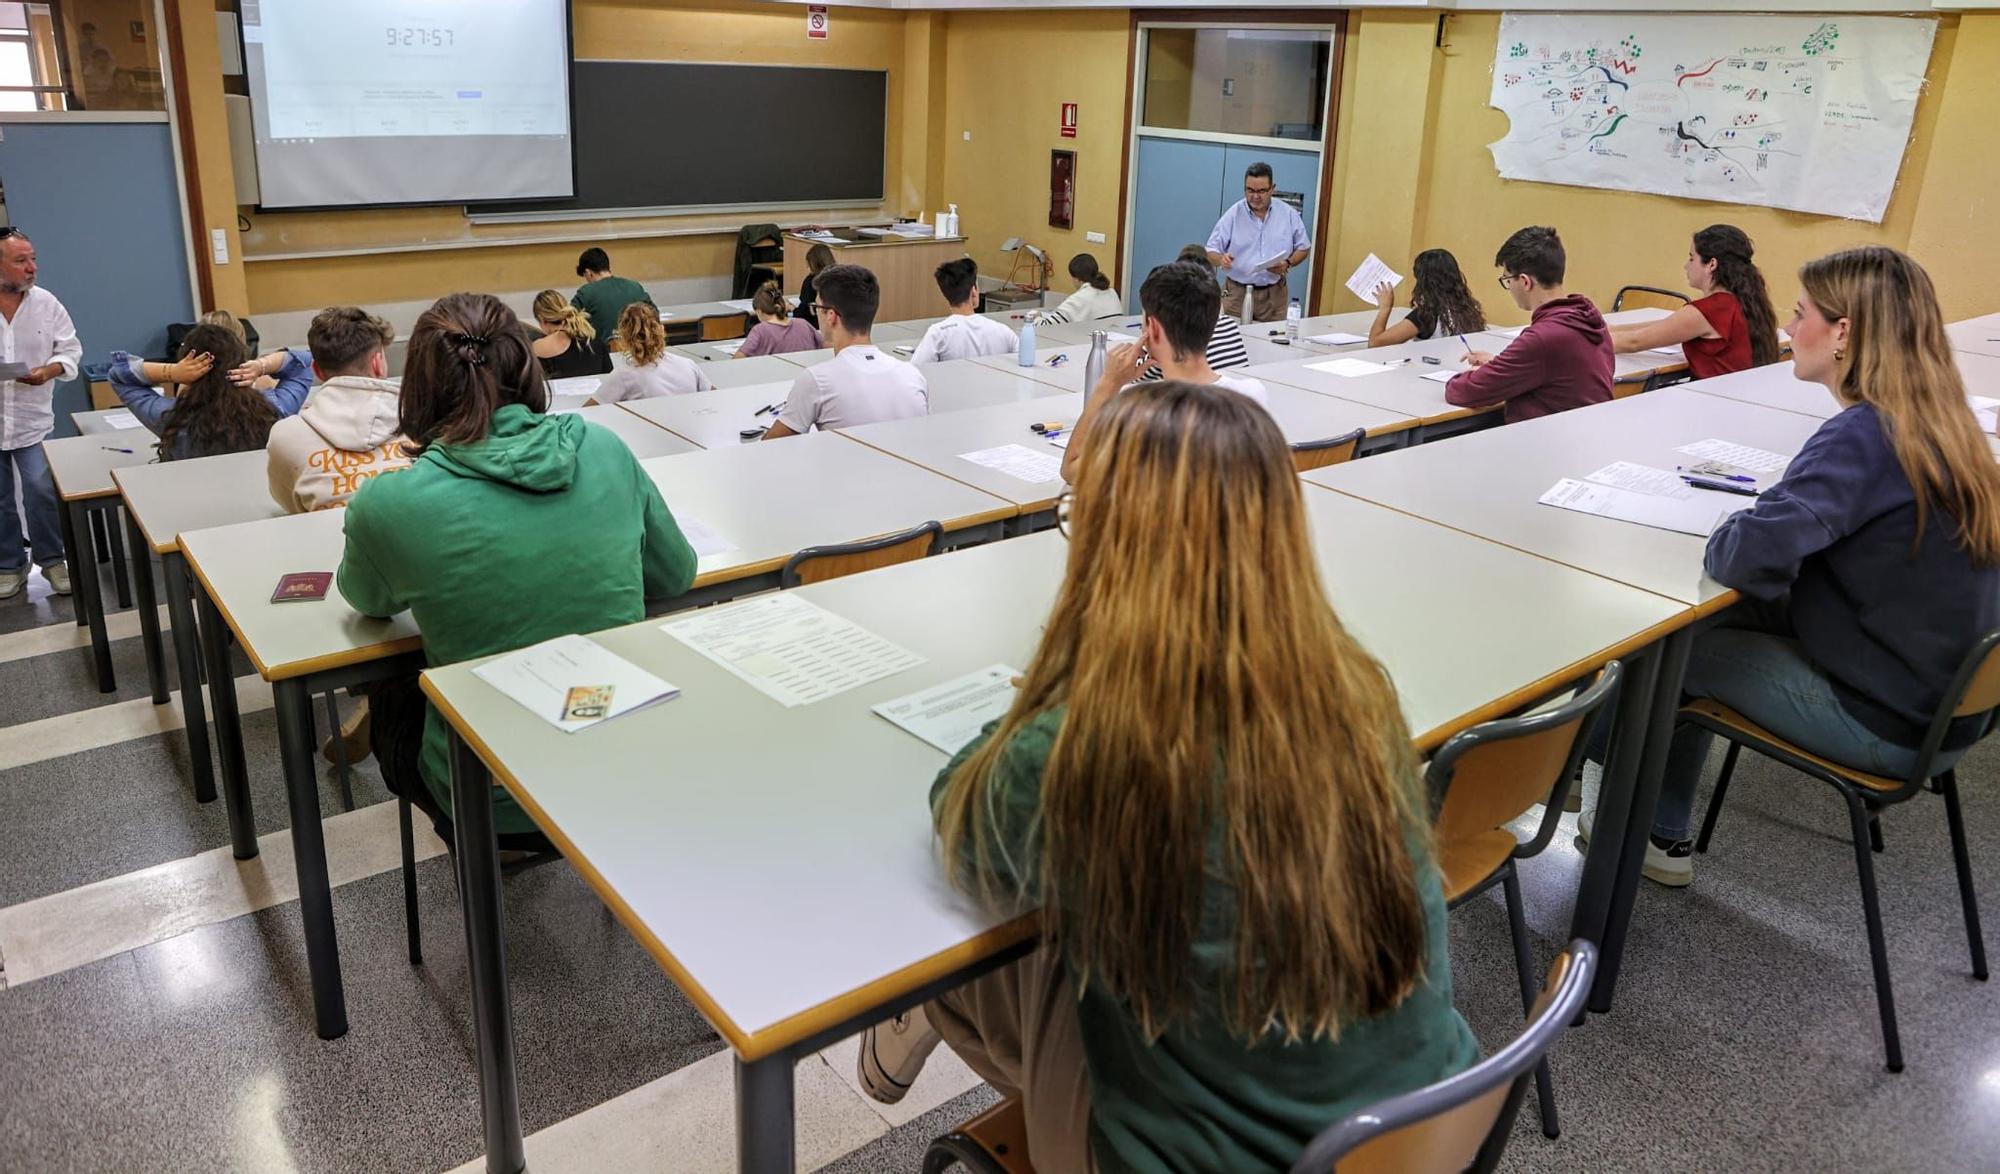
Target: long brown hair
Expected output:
[1899,361]
[1438,288]
[468,358]
[1208,686]
[645,337]
[552,307]
[1729,247]
[213,415]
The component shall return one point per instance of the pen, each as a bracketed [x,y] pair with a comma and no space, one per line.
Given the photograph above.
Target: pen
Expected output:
[1718,486]
[1465,344]
[765,408]
[108,448]
[1058,360]
[1737,477]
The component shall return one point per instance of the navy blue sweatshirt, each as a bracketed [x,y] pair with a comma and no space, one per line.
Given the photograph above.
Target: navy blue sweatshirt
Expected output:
[1887,617]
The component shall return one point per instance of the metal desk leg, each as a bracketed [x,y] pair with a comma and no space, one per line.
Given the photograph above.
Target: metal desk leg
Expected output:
[149,612]
[765,1124]
[187,658]
[1614,798]
[295,751]
[89,598]
[67,521]
[1666,703]
[228,731]
[486,947]
[114,532]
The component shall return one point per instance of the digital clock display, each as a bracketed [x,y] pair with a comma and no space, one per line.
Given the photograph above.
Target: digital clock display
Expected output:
[417,38]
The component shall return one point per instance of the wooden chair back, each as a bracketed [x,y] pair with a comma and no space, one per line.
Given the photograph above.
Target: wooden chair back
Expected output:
[1317,454]
[816,564]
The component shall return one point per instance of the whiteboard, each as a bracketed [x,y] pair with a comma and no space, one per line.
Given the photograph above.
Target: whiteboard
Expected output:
[1809,113]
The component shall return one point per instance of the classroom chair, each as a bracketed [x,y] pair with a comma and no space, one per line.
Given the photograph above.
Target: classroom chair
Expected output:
[1974,692]
[1308,455]
[721,327]
[995,1142]
[816,564]
[1647,297]
[1484,779]
[519,851]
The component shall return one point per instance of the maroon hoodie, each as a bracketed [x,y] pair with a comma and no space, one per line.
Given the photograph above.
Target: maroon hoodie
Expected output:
[1562,360]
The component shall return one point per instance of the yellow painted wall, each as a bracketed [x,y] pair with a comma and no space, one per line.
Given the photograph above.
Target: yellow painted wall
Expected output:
[1954,233]
[1008,75]
[210,147]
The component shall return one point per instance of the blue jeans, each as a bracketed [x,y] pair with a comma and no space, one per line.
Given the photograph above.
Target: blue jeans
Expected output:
[1751,663]
[38,494]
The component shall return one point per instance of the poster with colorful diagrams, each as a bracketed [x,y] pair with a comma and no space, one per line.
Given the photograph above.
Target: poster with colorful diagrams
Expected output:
[1809,113]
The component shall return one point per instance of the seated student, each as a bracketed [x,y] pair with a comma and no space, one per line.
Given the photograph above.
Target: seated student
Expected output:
[1225,346]
[1094,297]
[963,334]
[210,408]
[859,384]
[1731,327]
[653,369]
[1561,360]
[347,432]
[818,258]
[511,527]
[1870,568]
[1181,302]
[1160,1026]
[1441,304]
[778,330]
[602,296]
[570,344]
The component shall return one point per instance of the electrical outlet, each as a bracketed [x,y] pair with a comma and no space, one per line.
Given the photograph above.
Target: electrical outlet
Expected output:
[1095,238]
[968,136]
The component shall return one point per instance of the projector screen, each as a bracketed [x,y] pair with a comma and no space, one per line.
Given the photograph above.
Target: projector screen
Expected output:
[408,101]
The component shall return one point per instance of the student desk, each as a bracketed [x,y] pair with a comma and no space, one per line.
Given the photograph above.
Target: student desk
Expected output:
[780,867]
[904,267]
[934,442]
[1775,385]
[724,369]
[645,438]
[711,419]
[1489,484]
[82,467]
[1979,335]
[114,420]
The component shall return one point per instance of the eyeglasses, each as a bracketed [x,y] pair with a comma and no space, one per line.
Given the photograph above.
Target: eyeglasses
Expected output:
[1063,502]
[1250,191]
[1507,281]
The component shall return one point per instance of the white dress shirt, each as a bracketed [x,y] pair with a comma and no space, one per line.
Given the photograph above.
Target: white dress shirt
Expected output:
[40,333]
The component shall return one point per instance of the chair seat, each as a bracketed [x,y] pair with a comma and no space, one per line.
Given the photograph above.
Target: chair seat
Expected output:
[1722,715]
[1465,863]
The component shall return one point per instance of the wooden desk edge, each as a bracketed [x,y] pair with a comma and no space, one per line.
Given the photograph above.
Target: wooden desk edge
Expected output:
[361,654]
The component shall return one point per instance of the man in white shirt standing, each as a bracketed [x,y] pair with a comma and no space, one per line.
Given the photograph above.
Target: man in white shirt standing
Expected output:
[859,384]
[1255,245]
[36,333]
[963,334]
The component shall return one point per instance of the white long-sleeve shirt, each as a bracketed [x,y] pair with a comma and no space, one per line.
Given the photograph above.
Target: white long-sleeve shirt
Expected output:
[1084,305]
[40,333]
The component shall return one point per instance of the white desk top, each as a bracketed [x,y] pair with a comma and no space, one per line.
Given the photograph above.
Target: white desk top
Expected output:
[935,441]
[1066,375]
[1489,483]
[712,419]
[695,311]
[724,371]
[811,358]
[977,383]
[1775,386]
[169,499]
[1402,389]
[98,423]
[645,438]
[807,830]
[82,464]
[1979,335]
[241,564]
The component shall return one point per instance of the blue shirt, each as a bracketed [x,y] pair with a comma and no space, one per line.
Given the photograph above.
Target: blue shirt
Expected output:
[151,408]
[1255,242]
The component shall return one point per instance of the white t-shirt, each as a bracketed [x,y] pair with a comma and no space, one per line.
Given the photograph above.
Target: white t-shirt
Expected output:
[860,385]
[965,336]
[1246,386]
[670,374]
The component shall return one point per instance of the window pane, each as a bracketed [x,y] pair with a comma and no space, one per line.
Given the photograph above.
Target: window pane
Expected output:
[114,61]
[13,16]
[1266,82]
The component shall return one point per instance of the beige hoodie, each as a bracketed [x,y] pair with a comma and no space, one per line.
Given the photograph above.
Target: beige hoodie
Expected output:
[345,434]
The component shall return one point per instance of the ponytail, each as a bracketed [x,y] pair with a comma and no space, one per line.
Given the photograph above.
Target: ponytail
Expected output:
[551,306]
[1083,267]
[1729,247]
[769,299]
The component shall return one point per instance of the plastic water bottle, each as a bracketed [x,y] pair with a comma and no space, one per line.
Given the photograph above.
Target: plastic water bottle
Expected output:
[1028,343]
[1292,318]
[1093,367]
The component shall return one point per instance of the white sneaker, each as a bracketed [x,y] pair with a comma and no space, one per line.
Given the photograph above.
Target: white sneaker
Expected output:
[1668,862]
[11,583]
[893,1054]
[58,576]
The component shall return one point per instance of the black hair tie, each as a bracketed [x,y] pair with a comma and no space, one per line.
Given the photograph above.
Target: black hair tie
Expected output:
[470,348]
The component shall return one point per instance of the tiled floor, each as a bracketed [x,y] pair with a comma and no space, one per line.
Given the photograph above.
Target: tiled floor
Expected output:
[157,1014]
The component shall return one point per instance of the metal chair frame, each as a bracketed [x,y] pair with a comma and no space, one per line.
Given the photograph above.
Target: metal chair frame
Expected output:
[1307,454]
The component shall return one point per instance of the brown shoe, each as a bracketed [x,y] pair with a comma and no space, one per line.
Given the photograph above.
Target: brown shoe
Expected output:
[353,737]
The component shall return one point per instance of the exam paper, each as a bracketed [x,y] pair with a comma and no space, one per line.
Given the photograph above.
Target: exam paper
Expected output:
[741,304]
[1442,376]
[1698,514]
[1674,350]
[14,370]
[1017,460]
[1742,456]
[950,716]
[1336,338]
[1371,274]
[1642,479]
[727,348]
[789,648]
[541,675]
[1349,368]
[1987,410]
[121,419]
[704,540]
[577,385]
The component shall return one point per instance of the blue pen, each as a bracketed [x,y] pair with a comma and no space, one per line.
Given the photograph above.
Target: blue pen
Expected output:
[1718,486]
[108,448]
[1465,344]
[1737,477]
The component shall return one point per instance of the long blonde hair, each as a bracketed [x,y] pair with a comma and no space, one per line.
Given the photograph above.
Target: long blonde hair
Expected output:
[645,337]
[1208,686]
[1899,361]
[551,306]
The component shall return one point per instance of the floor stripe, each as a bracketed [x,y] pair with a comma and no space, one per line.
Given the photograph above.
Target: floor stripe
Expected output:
[55,933]
[67,637]
[108,725]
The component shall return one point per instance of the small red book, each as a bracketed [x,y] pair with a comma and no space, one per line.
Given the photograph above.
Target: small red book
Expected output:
[302,585]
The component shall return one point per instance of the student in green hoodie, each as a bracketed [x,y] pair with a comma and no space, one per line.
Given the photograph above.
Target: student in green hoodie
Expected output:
[510,527]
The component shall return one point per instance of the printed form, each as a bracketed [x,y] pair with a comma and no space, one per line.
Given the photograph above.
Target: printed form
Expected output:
[789,648]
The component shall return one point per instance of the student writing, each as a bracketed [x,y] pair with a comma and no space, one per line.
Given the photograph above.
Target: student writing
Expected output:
[1094,298]
[859,384]
[1731,327]
[962,333]
[570,344]
[604,295]
[652,369]
[1563,357]
[778,331]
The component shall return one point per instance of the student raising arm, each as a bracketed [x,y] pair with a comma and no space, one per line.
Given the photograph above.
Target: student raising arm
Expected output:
[1731,327]
[208,413]
[1441,304]
[1245,933]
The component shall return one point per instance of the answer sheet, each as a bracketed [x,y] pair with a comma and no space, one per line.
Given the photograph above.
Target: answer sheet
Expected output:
[1371,274]
[1018,461]
[541,676]
[1337,338]
[1698,514]
[950,715]
[1642,479]
[790,649]
[1349,368]
[706,541]
[121,419]
[1742,456]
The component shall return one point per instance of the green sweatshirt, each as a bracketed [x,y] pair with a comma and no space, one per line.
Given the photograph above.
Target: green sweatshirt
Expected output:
[1197,1099]
[605,299]
[548,527]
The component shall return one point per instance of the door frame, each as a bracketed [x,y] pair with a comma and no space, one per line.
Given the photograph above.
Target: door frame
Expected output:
[1334,20]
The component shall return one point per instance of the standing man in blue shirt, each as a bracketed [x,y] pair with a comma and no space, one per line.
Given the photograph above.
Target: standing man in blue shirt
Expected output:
[1254,245]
